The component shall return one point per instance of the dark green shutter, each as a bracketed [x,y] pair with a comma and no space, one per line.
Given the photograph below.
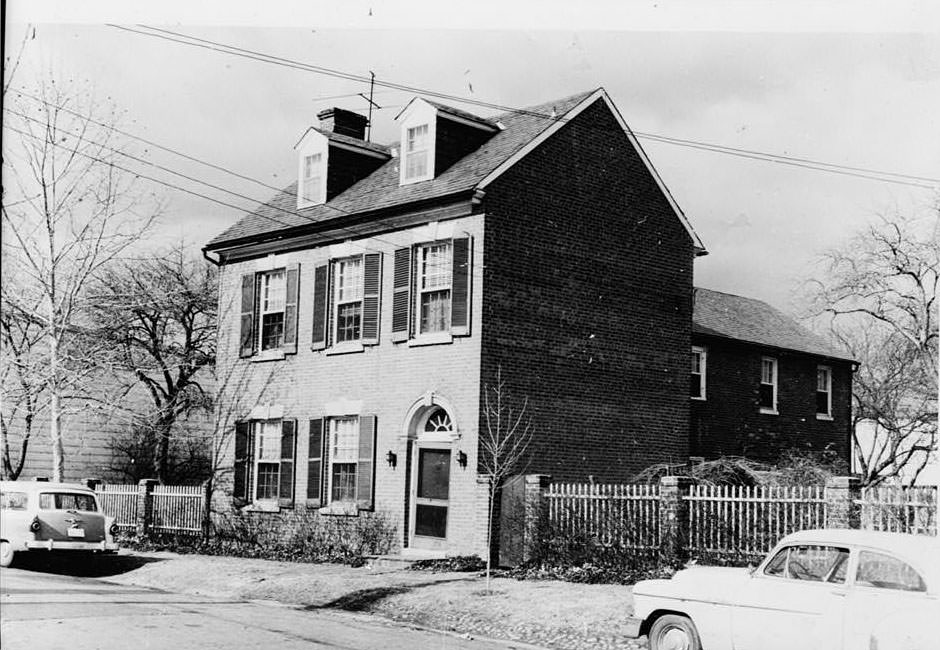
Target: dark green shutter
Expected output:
[291,297]
[285,491]
[401,295]
[242,464]
[372,290]
[320,294]
[315,464]
[460,288]
[365,470]
[249,316]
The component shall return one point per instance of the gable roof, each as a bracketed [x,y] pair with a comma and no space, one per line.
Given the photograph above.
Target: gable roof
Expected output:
[746,319]
[521,131]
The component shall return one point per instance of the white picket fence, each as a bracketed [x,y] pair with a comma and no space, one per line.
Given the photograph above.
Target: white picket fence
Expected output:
[895,509]
[178,508]
[749,520]
[625,516]
[120,502]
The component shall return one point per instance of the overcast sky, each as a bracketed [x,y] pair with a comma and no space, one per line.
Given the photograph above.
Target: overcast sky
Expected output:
[862,99]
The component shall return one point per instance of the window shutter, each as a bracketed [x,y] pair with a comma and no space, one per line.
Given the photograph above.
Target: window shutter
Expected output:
[325,495]
[372,290]
[249,316]
[320,295]
[460,288]
[290,308]
[285,491]
[401,295]
[366,468]
[315,464]
[242,463]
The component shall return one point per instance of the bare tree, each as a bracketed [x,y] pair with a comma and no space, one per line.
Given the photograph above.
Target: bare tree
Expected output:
[68,211]
[880,294]
[504,444]
[159,316]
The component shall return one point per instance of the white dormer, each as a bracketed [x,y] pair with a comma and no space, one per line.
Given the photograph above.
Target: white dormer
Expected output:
[418,137]
[312,153]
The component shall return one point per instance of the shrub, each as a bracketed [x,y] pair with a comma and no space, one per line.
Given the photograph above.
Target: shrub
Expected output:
[461,563]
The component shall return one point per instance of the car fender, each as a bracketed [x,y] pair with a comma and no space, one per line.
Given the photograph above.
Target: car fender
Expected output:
[915,628]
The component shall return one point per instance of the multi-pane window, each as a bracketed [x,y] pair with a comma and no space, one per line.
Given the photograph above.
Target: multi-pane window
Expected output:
[267,435]
[768,384]
[344,455]
[416,152]
[823,391]
[313,178]
[434,287]
[347,292]
[271,303]
[697,383]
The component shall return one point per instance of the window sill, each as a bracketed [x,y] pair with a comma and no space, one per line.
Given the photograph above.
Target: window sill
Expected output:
[824,417]
[262,507]
[341,509]
[268,355]
[438,338]
[766,411]
[698,399]
[350,347]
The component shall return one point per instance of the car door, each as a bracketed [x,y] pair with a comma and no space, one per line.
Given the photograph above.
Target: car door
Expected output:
[793,601]
[888,605]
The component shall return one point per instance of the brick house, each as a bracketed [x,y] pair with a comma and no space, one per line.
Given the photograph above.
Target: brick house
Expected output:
[762,384]
[365,308]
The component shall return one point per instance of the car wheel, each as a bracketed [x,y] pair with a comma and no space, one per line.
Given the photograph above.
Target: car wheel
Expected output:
[673,632]
[6,553]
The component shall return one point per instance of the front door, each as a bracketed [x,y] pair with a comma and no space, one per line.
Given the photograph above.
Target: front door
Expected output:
[432,491]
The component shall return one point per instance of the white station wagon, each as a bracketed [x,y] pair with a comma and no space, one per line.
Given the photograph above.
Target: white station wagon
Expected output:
[41,516]
[818,589]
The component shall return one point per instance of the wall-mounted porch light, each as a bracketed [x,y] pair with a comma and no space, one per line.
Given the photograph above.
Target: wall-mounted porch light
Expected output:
[391,458]
[462,459]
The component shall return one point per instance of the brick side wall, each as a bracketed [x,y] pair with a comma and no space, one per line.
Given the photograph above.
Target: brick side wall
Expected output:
[588,303]
[384,380]
[729,421]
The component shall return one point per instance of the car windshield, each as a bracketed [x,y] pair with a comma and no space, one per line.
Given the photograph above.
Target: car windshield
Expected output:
[13,500]
[67,501]
[807,562]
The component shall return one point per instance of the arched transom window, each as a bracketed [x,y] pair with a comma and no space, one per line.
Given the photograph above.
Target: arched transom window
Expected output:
[438,422]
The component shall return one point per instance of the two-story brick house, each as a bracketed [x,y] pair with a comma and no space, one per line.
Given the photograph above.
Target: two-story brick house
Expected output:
[365,308]
[763,384]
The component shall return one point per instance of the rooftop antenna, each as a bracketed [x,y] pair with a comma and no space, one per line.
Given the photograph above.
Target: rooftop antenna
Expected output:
[371,104]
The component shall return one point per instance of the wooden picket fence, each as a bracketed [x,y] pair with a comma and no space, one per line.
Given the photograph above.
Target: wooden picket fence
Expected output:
[896,509]
[624,516]
[178,508]
[120,502]
[748,520]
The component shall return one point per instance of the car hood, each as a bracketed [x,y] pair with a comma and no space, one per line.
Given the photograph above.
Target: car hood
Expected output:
[695,581]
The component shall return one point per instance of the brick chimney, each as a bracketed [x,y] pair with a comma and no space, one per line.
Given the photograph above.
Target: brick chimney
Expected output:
[343,122]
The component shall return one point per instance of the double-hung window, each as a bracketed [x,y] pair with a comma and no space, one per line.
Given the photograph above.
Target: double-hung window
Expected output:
[267,460]
[264,462]
[417,154]
[434,287]
[697,383]
[768,385]
[269,312]
[312,180]
[341,463]
[272,294]
[344,456]
[347,292]
[823,392]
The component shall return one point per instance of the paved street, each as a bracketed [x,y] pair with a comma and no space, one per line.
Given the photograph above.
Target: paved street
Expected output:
[49,610]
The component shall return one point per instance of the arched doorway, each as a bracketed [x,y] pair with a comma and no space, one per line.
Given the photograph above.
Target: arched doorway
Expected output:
[432,437]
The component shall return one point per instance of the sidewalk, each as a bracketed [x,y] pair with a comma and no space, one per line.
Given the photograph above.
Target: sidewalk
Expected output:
[547,613]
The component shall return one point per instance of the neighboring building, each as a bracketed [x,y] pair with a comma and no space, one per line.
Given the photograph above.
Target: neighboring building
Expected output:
[762,384]
[365,309]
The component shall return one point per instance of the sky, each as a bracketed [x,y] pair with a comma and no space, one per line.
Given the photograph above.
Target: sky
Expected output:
[854,89]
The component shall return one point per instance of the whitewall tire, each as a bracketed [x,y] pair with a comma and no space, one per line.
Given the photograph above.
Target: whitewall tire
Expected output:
[6,553]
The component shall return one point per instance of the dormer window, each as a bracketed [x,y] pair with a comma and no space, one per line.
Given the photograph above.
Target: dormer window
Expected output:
[416,153]
[312,181]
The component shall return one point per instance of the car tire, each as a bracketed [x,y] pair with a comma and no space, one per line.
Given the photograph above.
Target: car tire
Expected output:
[674,632]
[6,553]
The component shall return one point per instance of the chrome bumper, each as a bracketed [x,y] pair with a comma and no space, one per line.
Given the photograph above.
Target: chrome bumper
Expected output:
[632,627]
[66,545]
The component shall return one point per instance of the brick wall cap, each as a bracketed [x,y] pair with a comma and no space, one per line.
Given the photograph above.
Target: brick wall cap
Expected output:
[843,482]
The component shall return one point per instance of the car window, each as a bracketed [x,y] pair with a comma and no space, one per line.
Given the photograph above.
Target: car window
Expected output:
[886,572]
[13,500]
[810,562]
[67,501]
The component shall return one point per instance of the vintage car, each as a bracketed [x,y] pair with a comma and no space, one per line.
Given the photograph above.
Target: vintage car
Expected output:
[42,516]
[822,589]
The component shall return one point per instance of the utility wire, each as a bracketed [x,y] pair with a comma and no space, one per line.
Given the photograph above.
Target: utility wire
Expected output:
[756,155]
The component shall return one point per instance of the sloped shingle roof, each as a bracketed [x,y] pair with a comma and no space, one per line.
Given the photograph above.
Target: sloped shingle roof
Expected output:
[754,321]
[381,189]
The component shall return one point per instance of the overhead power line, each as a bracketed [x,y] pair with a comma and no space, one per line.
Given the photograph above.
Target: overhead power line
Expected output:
[805,163]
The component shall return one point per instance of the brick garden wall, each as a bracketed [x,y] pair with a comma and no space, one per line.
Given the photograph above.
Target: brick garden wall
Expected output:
[588,303]
[729,421]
